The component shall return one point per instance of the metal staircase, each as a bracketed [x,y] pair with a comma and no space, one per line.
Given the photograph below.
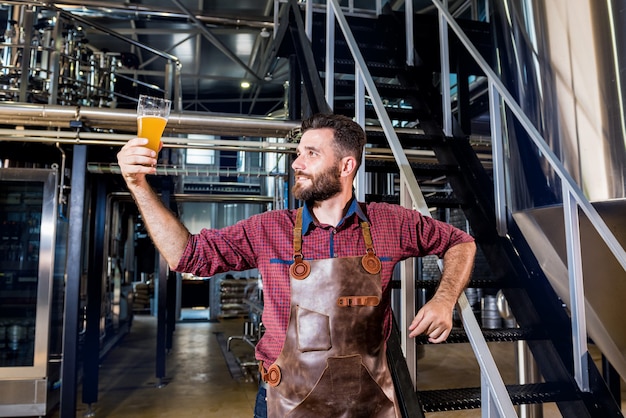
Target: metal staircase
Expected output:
[453,172]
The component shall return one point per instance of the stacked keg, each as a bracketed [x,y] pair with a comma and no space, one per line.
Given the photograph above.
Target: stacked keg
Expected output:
[490,315]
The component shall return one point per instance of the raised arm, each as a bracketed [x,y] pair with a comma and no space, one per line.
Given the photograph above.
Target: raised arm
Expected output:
[168,234]
[435,317]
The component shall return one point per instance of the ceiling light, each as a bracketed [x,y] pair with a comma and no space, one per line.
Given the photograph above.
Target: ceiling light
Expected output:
[265,33]
[245,84]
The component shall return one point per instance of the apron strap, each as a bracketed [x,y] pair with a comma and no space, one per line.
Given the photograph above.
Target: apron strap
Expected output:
[297,233]
[370,261]
[300,269]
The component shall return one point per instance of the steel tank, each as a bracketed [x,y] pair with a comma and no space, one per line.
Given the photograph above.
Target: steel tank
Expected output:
[565,62]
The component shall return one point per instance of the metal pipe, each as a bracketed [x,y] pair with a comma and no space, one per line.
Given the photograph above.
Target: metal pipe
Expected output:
[126,119]
[190,197]
[37,114]
[104,138]
[172,170]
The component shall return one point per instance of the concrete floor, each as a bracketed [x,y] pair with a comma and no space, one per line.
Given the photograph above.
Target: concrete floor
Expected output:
[199,383]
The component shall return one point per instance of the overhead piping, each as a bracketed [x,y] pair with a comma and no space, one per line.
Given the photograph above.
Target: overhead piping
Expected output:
[125,120]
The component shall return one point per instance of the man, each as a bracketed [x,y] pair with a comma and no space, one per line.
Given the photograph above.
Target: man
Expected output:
[325,269]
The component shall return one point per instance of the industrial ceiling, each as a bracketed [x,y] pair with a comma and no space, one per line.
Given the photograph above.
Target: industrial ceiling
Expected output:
[218,44]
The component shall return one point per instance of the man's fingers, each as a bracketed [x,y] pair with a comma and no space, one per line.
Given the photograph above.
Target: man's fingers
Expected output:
[438,336]
[419,325]
[138,162]
[140,142]
[135,160]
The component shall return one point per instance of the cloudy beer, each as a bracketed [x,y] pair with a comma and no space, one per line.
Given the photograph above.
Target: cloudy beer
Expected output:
[151,127]
[152,114]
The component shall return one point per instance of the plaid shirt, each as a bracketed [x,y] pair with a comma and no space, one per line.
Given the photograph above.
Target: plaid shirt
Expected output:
[265,242]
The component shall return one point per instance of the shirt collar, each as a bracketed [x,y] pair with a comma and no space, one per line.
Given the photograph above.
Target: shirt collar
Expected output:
[354,208]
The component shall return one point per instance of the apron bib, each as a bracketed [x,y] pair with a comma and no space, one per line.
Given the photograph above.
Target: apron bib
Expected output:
[333,362]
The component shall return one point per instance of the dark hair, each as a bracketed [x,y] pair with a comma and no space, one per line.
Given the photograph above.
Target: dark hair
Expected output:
[349,137]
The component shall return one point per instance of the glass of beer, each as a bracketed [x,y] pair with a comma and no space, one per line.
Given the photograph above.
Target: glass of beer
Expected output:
[152,114]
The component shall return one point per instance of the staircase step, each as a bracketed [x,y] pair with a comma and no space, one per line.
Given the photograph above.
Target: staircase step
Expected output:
[395,113]
[433,169]
[458,335]
[439,201]
[384,86]
[486,282]
[469,398]
[410,138]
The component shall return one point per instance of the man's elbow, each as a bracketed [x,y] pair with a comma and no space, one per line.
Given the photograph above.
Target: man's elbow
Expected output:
[466,248]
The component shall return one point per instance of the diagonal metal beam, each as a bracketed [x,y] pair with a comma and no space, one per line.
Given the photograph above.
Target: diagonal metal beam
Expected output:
[306,60]
[218,44]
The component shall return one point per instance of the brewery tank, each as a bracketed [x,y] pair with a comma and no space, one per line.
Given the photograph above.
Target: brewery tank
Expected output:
[565,62]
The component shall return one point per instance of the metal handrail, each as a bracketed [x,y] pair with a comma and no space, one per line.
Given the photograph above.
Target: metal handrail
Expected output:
[496,398]
[573,198]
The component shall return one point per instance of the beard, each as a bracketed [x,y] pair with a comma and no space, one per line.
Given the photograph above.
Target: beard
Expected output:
[323,186]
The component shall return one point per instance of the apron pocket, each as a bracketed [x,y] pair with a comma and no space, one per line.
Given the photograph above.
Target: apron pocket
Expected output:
[313,330]
[346,389]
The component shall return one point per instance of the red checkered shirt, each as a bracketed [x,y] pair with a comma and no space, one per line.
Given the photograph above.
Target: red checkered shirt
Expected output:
[265,242]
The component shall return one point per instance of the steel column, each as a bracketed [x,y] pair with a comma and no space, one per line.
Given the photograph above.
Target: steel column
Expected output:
[73,264]
[161,300]
[95,277]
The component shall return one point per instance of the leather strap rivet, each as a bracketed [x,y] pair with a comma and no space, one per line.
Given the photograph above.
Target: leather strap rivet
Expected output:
[371,263]
[300,269]
[273,375]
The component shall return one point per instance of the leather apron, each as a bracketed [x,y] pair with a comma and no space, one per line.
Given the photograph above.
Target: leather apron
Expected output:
[333,362]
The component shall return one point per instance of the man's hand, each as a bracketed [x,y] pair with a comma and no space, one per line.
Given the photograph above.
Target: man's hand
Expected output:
[435,317]
[434,320]
[136,161]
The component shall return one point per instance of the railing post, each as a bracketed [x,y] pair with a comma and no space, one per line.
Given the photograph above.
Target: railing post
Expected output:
[330,56]
[359,116]
[308,20]
[169,82]
[408,18]
[576,289]
[407,296]
[446,101]
[497,150]
[178,88]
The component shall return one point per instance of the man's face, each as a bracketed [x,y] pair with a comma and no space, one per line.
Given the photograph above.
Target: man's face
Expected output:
[316,168]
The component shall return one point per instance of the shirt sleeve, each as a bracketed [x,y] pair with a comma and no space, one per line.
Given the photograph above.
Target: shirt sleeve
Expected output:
[411,233]
[436,237]
[213,251]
